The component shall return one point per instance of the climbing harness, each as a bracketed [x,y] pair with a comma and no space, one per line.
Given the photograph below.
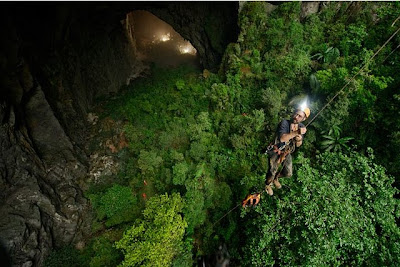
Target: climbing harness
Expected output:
[282,149]
[290,147]
[275,149]
[254,198]
[251,200]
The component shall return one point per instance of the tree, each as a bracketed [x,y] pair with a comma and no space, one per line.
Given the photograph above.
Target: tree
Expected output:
[202,137]
[158,238]
[117,205]
[339,210]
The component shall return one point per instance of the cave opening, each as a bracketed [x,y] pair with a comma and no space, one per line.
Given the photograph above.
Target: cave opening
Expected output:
[60,64]
[157,42]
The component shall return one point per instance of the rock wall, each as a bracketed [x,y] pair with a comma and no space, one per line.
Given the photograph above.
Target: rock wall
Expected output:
[209,26]
[55,59]
[53,63]
[41,205]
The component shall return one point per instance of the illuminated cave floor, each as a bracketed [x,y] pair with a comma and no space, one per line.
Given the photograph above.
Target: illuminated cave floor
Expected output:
[157,42]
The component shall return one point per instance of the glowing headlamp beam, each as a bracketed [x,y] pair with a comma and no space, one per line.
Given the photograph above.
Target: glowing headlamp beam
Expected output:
[303,105]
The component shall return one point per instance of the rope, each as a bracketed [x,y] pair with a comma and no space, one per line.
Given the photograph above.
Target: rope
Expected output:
[376,53]
[226,214]
[391,53]
[327,104]
[292,148]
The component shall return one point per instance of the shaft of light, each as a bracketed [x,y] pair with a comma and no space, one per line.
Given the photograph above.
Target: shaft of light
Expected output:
[303,105]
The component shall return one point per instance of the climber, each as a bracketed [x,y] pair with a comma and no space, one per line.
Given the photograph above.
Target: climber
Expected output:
[290,135]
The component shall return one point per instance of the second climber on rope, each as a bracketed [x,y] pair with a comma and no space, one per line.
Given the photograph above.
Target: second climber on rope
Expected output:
[289,135]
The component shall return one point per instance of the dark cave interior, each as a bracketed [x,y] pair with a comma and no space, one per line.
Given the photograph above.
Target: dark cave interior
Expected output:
[159,43]
[55,60]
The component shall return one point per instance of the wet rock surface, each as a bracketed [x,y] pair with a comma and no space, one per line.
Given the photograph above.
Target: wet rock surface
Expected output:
[41,205]
[106,140]
[55,60]
[308,8]
[49,78]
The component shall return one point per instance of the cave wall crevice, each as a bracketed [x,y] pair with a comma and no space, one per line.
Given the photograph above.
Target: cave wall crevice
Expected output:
[56,59]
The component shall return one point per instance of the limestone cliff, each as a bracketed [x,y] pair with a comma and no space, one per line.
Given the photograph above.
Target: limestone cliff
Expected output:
[55,59]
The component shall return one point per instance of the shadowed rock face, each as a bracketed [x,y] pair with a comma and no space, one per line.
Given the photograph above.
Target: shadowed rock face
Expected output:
[54,60]
[208,26]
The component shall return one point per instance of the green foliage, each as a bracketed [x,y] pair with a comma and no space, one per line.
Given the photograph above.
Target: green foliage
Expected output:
[330,80]
[314,83]
[328,55]
[64,257]
[201,135]
[272,100]
[179,150]
[149,162]
[180,171]
[333,141]
[339,210]
[100,252]
[180,84]
[158,238]
[353,38]
[103,253]
[116,205]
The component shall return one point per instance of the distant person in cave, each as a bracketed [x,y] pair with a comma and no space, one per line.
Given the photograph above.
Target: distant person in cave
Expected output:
[290,135]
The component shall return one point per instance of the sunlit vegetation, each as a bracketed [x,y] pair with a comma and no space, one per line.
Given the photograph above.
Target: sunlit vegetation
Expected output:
[158,238]
[196,143]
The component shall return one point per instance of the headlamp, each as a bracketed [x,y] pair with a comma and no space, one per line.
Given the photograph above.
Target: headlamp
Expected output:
[303,105]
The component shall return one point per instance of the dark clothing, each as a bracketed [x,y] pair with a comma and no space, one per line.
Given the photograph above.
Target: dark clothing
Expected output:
[283,128]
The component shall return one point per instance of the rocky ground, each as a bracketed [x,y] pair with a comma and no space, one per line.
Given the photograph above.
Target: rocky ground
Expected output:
[105,140]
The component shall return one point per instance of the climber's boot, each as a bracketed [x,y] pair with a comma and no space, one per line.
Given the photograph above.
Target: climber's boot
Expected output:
[269,179]
[268,189]
[277,183]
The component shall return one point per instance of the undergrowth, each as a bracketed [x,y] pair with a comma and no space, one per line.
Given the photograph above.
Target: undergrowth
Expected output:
[196,143]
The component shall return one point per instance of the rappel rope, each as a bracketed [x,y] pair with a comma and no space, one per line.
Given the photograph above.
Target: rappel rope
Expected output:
[328,103]
[241,203]
[226,214]
[341,90]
